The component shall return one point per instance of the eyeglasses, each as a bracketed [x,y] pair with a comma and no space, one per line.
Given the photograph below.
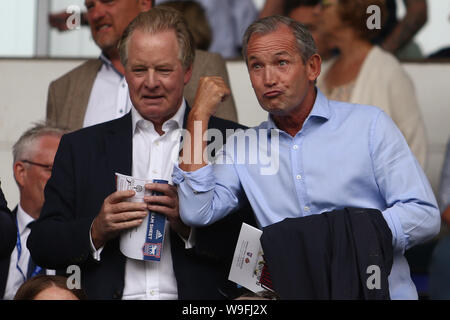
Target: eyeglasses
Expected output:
[45,166]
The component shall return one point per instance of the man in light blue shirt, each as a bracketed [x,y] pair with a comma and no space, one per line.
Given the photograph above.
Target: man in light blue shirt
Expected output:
[326,155]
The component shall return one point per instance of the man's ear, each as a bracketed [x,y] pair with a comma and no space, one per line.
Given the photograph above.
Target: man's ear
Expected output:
[187,74]
[313,67]
[20,173]
[145,5]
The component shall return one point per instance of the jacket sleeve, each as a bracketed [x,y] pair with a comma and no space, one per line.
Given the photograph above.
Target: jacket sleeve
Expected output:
[51,115]
[59,237]
[228,108]
[8,229]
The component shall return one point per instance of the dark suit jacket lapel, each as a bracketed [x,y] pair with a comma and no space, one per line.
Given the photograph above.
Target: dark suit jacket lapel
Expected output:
[119,145]
[186,113]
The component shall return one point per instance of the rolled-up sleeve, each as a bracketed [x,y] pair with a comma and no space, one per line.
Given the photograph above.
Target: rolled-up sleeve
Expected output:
[207,194]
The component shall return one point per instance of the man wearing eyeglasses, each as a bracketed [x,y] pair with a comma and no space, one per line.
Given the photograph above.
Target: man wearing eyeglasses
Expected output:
[33,157]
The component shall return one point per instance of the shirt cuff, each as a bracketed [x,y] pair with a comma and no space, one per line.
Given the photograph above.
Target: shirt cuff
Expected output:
[95,252]
[189,243]
[201,180]
[399,239]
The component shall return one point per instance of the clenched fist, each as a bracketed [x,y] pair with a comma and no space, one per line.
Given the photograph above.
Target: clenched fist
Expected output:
[211,92]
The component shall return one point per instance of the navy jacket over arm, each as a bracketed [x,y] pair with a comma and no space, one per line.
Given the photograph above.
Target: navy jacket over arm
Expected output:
[330,255]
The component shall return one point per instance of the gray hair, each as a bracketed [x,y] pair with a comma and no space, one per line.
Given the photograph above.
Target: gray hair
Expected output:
[305,42]
[156,20]
[25,147]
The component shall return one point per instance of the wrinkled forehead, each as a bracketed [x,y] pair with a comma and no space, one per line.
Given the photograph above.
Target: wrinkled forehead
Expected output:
[161,38]
[277,42]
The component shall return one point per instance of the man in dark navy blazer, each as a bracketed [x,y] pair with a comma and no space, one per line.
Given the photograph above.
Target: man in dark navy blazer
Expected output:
[7,228]
[8,234]
[83,214]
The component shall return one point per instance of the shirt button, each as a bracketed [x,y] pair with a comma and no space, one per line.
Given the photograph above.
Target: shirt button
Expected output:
[299,177]
[152,292]
[295,147]
[121,110]
[157,143]
[306,208]
[155,171]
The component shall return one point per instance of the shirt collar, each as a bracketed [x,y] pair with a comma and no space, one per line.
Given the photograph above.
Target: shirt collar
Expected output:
[23,219]
[108,64]
[321,109]
[176,122]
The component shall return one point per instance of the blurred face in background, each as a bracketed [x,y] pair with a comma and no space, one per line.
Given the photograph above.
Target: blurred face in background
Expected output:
[311,17]
[331,23]
[108,19]
[33,173]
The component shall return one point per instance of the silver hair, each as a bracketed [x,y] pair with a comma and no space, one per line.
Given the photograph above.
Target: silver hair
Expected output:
[305,42]
[157,20]
[25,147]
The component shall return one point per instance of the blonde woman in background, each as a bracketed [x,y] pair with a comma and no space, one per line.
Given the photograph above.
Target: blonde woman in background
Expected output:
[366,74]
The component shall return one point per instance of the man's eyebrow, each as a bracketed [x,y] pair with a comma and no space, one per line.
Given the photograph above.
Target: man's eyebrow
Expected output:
[282,53]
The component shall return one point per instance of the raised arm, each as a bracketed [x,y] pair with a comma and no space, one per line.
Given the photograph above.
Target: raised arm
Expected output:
[211,91]
[207,192]
[405,30]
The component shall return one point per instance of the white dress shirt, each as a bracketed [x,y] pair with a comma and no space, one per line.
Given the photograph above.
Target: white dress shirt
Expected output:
[109,97]
[15,277]
[149,280]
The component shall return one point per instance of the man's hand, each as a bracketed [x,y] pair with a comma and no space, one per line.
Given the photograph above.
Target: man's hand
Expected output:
[415,18]
[116,215]
[58,20]
[167,204]
[210,92]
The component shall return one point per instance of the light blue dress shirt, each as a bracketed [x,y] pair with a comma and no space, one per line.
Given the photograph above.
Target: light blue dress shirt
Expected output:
[346,155]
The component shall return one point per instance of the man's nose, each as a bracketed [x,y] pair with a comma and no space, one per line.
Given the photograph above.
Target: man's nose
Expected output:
[151,79]
[269,76]
[97,12]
